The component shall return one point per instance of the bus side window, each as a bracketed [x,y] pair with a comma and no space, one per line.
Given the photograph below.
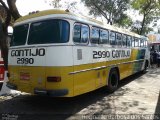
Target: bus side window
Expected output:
[139,42]
[104,37]
[112,36]
[142,43]
[133,42]
[136,42]
[77,33]
[95,35]
[84,34]
[124,42]
[81,33]
[146,43]
[129,41]
[119,39]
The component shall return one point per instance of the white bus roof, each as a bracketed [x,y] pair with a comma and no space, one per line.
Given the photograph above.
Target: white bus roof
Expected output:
[68,15]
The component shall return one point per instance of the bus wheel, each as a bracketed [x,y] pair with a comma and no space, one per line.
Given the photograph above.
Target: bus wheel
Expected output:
[113,80]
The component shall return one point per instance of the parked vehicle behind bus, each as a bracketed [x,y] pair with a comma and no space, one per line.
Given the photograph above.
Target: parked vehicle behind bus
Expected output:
[57,53]
[1,70]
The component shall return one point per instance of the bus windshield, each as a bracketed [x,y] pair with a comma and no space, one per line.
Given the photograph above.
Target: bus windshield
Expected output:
[42,32]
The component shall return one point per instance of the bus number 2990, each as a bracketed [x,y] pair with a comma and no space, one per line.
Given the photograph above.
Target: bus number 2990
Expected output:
[25,60]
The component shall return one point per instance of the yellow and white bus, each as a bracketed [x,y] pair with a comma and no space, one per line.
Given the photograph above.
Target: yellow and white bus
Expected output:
[57,53]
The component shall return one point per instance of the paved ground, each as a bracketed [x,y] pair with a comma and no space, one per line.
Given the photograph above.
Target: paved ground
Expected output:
[138,97]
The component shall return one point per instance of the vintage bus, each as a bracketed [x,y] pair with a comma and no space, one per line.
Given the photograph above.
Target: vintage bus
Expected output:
[57,53]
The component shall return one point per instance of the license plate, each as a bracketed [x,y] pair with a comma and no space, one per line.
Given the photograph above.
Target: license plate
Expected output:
[24,76]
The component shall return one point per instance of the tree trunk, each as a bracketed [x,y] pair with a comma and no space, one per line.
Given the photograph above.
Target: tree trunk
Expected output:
[4,45]
[142,28]
[13,9]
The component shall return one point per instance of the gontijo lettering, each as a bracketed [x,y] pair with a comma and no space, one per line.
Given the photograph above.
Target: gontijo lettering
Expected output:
[28,52]
[112,54]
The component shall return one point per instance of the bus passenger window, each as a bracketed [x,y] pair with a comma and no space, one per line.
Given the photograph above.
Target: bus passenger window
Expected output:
[119,39]
[104,37]
[124,42]
[81,33]
[146,43]
[129,41]
[95,35]
[77,34]
[142,43]
[139,42]
[136,42]
[133,42]
[112,38]
[84,34]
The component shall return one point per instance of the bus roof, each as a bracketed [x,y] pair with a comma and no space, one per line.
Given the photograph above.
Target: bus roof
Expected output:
[55,11]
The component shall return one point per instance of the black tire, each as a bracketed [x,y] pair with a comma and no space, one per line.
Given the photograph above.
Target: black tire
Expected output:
[1,85]
[113,80]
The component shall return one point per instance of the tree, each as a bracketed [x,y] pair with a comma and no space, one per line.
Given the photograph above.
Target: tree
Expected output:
[149,9]
[71,6]
[55,3]
[11,12]
[112,10]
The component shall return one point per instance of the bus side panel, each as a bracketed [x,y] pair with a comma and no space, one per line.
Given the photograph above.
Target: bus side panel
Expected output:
[100,61]
[138,56]
[121,60]
[133,64]
[124,68]
[84,77]
[59,63]
[66,79]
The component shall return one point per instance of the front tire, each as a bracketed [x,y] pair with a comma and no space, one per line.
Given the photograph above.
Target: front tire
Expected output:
[113,80]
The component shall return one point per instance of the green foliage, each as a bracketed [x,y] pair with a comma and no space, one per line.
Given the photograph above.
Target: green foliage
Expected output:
[112,10]
[149,9]
[124,21]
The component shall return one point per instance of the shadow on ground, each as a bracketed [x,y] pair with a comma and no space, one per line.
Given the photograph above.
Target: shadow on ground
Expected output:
[157,111]
[29,107]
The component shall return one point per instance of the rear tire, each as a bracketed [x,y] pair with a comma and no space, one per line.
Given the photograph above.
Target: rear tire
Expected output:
[113,80]
[1,84]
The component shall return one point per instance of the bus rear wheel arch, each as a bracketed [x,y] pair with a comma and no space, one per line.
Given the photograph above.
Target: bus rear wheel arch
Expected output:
[113,80]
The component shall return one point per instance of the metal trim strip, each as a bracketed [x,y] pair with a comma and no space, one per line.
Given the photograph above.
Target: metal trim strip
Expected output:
[102,67]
